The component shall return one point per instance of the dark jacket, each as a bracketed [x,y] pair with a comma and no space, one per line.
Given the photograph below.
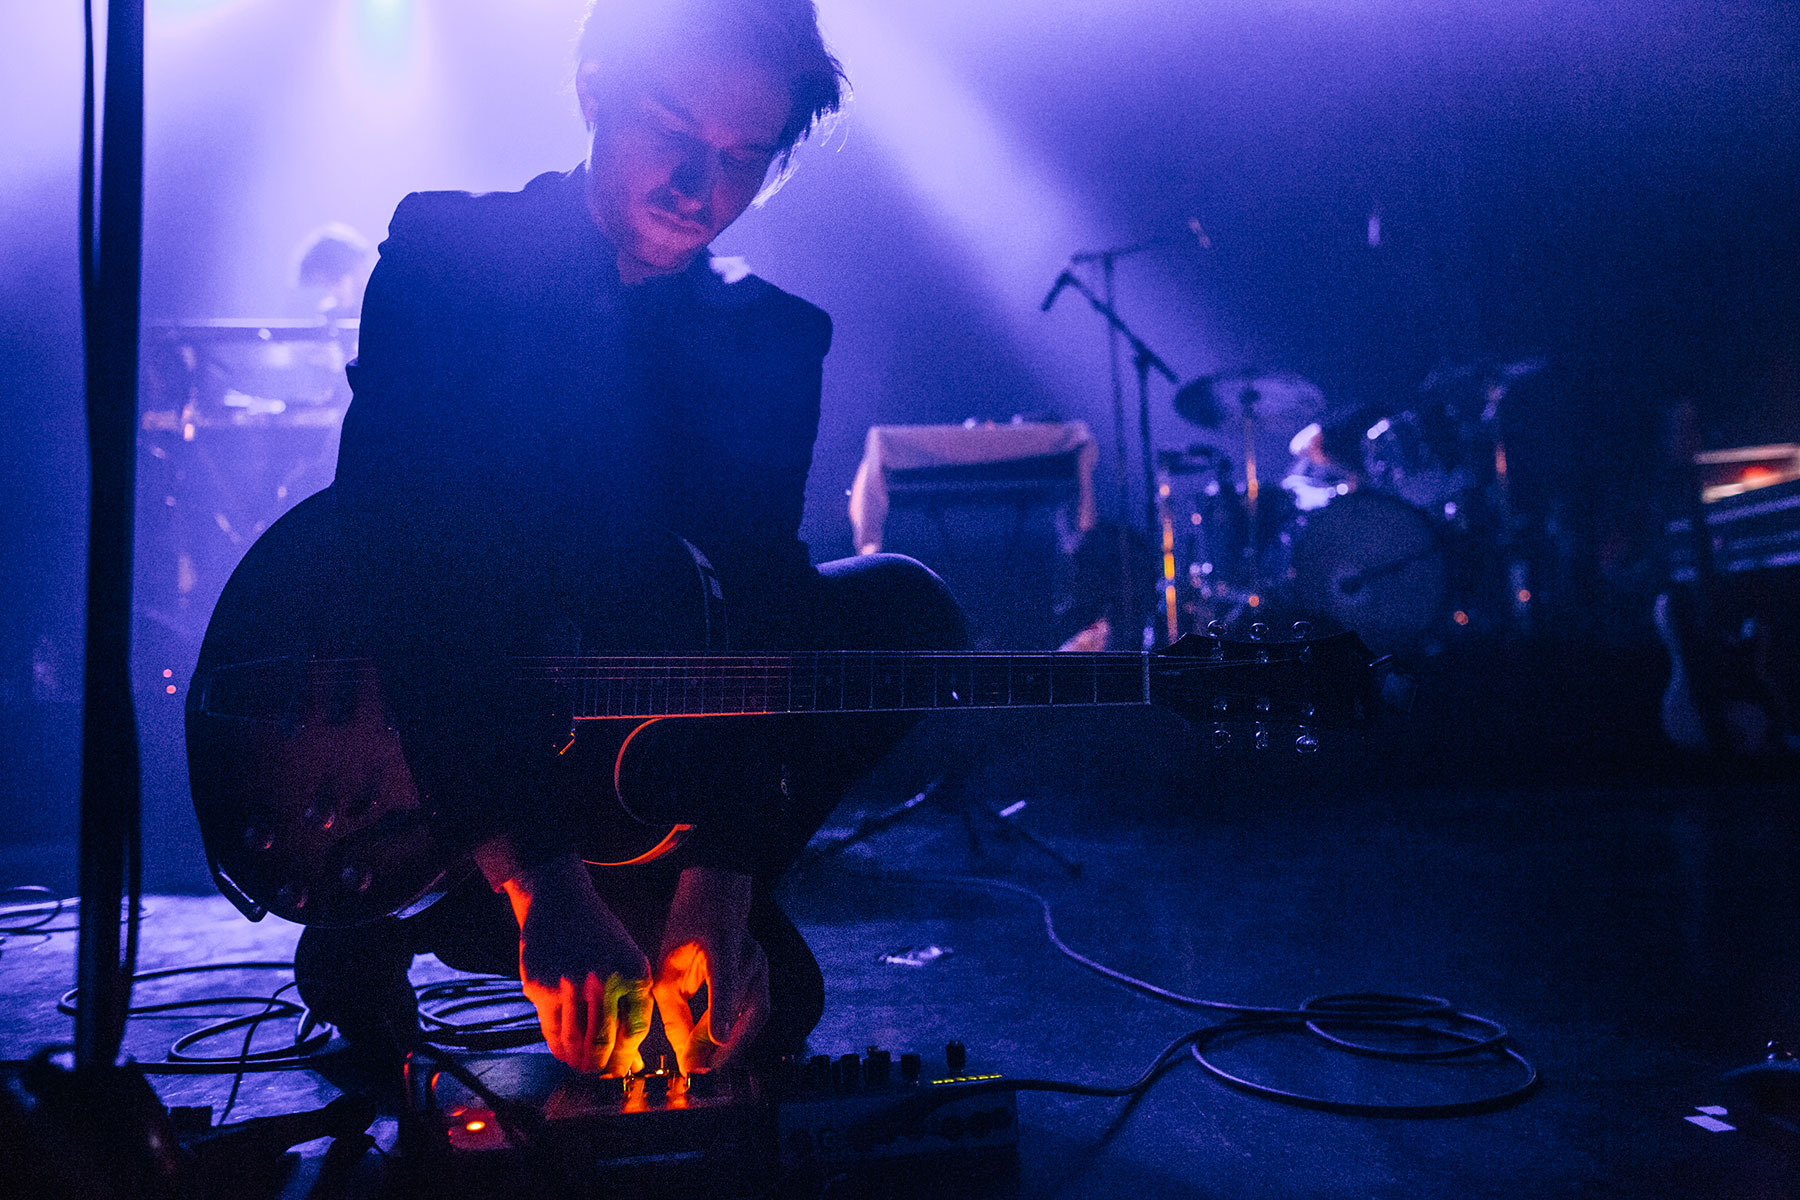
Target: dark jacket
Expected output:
[511,393]
[519,416]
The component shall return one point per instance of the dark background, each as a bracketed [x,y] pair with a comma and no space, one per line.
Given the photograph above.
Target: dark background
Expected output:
[1609,185]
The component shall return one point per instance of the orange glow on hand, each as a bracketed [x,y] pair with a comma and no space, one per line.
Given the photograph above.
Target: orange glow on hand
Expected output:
[707,948]
[684,973]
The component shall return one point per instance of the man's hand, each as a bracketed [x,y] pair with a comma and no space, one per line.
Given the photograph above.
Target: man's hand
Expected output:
[707,943]
[588,980]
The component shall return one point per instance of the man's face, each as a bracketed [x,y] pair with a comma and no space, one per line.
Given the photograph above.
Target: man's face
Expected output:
[678,156]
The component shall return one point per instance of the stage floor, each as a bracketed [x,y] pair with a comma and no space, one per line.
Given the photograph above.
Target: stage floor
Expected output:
[1636,943]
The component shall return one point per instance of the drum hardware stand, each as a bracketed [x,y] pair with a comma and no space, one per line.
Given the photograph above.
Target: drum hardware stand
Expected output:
[943,793]
[1168,462]
[1144,360]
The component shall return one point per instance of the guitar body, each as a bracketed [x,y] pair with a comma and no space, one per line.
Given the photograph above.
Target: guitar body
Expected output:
[327,735]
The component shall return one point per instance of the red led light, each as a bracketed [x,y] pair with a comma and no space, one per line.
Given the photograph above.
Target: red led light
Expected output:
[170,689]
[475,1126]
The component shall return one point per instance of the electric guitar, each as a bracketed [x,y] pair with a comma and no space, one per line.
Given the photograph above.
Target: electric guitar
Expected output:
[315,794]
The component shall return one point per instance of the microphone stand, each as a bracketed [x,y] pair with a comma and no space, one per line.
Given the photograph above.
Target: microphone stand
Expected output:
[1144,360]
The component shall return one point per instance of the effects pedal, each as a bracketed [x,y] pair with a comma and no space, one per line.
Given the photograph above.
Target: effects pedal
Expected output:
[865,1124]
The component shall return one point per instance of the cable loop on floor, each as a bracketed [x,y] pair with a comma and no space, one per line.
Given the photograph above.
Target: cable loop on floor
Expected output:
[1323,1017]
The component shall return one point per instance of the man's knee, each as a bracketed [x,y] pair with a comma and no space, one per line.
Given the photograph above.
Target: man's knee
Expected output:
[892,602]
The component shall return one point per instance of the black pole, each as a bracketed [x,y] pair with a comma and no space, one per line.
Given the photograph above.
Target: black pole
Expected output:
[1142,362]
[1129,598]
[110,786]
[1146,360]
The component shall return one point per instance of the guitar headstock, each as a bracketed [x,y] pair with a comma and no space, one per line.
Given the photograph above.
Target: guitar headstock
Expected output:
[1271,691]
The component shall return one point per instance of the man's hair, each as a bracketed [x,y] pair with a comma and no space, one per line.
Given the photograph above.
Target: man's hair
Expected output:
[619,36]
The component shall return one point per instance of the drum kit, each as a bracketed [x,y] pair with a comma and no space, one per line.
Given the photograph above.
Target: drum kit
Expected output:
[238,422]
[1395,521]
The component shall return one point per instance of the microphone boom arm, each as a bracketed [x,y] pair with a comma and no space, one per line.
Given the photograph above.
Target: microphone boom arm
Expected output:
[1144,353]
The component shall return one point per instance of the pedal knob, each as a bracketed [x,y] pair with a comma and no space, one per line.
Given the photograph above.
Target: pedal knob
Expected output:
[911,1067]
[878,1068]
[849,1073]
[956,1057]
[656,1083]
[702,1085]
[818,1073]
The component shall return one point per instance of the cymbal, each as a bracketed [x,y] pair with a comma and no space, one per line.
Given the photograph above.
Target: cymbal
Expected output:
[1212,400]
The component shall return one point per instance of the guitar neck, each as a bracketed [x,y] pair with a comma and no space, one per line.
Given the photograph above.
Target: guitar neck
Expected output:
[842,681]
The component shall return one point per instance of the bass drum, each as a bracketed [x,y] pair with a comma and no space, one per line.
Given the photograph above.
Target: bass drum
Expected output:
[1368,562]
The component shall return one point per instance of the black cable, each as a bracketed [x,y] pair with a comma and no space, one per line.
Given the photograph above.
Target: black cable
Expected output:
[250,1028]
[519,1121]
[52,908]
[1492,1102]
[1099,968]
[462,994]
[180,1060]
[474,993]
[57,906]
[1469,1033]
[890,1122]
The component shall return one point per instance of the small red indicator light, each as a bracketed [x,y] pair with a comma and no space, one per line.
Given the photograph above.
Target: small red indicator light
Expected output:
[170,689]
[168,674]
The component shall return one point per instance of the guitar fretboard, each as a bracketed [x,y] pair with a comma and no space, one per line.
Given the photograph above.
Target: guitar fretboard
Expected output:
[842,681]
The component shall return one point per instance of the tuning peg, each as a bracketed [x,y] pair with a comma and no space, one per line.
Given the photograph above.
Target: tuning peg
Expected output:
[1221,736]
[1220,705]
[1215,629]
[1261,738]
[1258,631]
[1263,704]
[1305,742]
[1302,630]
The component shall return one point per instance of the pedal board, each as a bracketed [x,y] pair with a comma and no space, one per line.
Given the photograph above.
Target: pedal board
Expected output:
[854,1125]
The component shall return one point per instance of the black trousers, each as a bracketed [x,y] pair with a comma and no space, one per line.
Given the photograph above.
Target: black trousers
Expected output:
[356,978]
